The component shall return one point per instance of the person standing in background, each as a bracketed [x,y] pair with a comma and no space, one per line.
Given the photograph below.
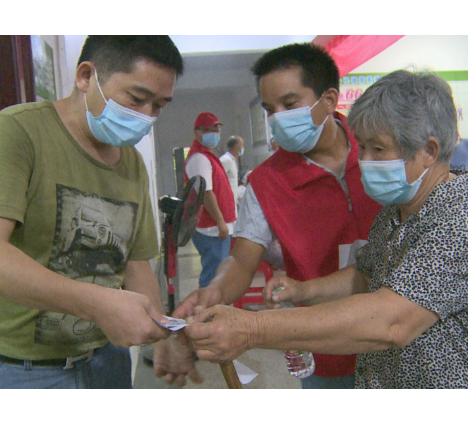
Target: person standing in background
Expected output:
[215,225]
[230,161]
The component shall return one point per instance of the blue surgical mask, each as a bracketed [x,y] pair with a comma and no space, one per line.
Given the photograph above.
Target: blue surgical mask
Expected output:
[385,181]
[241,152]
[118,125]
[211,140]
[294,130]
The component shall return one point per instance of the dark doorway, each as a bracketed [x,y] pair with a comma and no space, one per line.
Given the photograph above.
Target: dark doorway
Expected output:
[16,70]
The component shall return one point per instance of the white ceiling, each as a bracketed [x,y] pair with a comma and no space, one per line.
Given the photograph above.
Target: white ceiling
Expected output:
[218,70]
[219,43]
[225,61]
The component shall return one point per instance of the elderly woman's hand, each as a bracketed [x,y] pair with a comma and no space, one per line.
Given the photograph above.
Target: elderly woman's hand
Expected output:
[222,333]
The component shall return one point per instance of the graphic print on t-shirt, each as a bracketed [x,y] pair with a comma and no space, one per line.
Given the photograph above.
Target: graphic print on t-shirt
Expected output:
[92,240]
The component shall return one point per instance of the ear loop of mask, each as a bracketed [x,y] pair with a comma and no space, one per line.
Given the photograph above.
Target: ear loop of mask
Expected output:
[420,177]
[326,118]
[100,90]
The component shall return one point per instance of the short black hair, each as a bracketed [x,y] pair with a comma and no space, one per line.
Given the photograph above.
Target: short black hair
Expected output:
[118,53]
[319,70]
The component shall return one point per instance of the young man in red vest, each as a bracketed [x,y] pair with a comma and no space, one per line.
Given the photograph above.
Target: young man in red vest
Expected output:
[216,219]
[308,194]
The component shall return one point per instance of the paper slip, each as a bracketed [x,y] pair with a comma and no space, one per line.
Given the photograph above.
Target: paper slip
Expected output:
[244,373]
[172,324]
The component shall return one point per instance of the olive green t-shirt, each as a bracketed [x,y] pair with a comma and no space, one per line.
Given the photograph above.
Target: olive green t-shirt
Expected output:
[76,216]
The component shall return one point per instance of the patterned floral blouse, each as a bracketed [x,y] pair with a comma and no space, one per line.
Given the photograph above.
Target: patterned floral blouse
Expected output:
[425,260]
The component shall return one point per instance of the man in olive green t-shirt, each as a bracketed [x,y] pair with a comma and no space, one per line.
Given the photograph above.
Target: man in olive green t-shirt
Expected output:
[76,226]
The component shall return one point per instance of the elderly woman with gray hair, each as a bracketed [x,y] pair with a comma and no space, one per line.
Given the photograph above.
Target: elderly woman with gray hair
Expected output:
[403,306]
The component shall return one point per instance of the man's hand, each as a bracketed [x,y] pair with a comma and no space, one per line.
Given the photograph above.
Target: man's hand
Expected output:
[293,292]
[197,301]
[174,360]
[223,230]
[125,318]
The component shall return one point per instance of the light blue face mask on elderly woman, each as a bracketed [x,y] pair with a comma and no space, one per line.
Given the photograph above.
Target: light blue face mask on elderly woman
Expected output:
[118,125]
[385,181]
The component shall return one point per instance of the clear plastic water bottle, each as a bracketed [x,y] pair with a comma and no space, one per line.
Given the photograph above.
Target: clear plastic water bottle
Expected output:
[301,364]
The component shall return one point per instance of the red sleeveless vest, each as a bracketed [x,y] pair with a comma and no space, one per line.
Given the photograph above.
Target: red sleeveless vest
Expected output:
[308,210]
[221,188]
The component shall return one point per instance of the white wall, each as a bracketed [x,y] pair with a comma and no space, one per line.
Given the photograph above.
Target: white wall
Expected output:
[436,52]
[73,45]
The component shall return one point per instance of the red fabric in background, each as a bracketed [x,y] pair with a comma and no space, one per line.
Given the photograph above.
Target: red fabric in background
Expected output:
[351,51]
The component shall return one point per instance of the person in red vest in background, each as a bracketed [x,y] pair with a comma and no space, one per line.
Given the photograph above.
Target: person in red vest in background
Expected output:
[308,194]
[216,219]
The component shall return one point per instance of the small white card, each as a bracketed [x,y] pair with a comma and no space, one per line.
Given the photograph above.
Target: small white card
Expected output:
[172,324]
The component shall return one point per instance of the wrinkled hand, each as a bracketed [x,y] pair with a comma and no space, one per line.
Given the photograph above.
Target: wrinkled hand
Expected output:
[293,291]
[125,318]
[198,301]
[230,333]
[174,359]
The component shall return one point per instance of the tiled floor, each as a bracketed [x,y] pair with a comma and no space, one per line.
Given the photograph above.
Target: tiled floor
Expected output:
[269,364]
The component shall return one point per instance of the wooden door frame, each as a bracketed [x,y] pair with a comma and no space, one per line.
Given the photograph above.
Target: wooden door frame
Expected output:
[16,70]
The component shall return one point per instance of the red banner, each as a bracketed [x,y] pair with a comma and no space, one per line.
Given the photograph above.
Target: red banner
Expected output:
[351,51]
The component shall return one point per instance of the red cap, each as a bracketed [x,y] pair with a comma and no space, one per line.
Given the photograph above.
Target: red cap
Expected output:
[206,119]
